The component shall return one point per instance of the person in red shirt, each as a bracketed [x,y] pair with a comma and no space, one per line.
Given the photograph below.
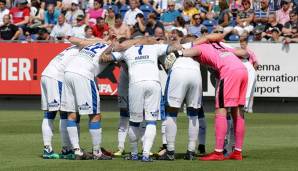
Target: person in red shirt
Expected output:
[20,14]
[100,29]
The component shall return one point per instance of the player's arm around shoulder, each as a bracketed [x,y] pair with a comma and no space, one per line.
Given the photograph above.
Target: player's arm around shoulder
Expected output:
[241,53]
[85,42]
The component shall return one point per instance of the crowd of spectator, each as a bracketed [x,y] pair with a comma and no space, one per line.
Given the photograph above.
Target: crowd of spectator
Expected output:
[54,20]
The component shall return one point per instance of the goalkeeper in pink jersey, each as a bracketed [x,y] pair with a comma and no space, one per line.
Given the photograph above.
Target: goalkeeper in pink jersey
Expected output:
[231,90]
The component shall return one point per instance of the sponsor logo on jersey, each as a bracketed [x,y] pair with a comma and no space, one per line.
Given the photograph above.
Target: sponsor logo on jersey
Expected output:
[54,103]
[225,54]
[84,106]
[142,57]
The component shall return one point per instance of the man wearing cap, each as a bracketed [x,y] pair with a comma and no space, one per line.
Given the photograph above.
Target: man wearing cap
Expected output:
[72,14]
[282,15]
[20,14]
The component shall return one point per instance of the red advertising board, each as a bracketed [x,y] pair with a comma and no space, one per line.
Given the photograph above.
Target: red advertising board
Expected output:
[21,65]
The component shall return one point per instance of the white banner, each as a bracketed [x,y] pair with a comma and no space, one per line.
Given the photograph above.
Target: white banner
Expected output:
[277,75]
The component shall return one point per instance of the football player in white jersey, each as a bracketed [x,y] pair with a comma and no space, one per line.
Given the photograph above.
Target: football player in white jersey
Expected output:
[80,94]
[144,92]
[183,84]
[52,80]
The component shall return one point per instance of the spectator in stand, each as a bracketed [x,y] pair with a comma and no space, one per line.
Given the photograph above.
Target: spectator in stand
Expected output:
[147,8]
[110,18]
[175,34]
[3,11]
[180,25]
[225,16]
[9,31]
[72,14]
[88,32]
[195,28]
[100,28]
[244,19]
[51,16]
[272,28]
[283,14]
[140,27]
[189,10]
[152,24]
[261,15]
[43,34]
[95,12]
[121,29]
[79,29]
[203,5]
[168,18]
[204,31]
[20,14]
[291,27]
[159,33]
[60,29]
[130,16]
[36,14]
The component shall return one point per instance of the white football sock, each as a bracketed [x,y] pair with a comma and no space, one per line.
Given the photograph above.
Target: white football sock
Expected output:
[64,134]
[163,132]
[122,131]
[171,131]
[47,131]
[142,130]
[96,133]
[193,130]
[133,134]
[73,134]
[202,131]
[149,137]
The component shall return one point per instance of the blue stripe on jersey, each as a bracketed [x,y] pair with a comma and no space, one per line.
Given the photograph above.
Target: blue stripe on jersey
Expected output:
[94,97]
[162,108]
[50,115]
[60,89]
[94,125]
[167,87]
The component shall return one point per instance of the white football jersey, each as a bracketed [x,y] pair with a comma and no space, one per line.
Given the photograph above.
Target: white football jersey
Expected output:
[87,61]
[142,61]
[186,62]
[55,69]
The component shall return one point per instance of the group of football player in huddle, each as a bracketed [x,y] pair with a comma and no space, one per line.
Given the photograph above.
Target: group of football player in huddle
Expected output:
[156,78]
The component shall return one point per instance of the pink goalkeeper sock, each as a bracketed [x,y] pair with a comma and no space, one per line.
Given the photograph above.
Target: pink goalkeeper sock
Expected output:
[239,126]
[220,131]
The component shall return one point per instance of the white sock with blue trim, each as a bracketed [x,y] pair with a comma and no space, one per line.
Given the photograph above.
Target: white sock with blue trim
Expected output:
[96,133]
[163,132]
[193,130]
[149,137]
[73,133]
[48,128]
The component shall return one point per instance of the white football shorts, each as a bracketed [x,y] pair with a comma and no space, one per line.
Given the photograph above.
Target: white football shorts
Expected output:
[144,101]
[51,91]
[183,84]
[80,94]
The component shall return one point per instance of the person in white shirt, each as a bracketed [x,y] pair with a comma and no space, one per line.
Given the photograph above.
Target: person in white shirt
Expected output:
[79,29]
[144,92]
[51,89]
[80,95]
[3,11]
[130,15]
[184,84]
[60,29]
[72,14]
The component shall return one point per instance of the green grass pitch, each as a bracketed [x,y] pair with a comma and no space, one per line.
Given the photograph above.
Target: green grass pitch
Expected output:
[271,143]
